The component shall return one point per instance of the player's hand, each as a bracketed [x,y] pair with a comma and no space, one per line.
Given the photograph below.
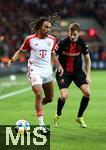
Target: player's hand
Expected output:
[10,62]
[60,70]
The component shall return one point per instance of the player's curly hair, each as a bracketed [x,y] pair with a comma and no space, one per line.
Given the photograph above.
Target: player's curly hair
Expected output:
[36,23]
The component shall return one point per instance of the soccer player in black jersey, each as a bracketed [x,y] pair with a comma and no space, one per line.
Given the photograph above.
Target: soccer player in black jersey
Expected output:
[70,51]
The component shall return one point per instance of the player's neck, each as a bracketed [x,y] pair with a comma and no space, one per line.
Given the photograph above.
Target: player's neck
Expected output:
[41,36]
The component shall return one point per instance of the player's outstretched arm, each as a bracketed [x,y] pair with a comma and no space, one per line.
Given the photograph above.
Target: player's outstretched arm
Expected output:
[15,57]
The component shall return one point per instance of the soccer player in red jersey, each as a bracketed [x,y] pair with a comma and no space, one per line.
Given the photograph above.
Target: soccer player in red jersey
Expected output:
[42,51]
[70,51]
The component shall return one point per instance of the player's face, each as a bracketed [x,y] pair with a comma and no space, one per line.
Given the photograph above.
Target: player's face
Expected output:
[45,29]
[74,35]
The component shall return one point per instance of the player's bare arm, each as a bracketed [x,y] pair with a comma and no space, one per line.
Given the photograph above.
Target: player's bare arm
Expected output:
[88,67]
[15,57]
[56,62]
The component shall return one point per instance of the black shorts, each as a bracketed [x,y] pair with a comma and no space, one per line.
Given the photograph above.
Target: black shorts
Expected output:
[65,80]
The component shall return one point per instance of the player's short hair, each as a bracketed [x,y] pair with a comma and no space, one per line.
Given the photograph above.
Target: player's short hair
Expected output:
[37,23]
[74,27]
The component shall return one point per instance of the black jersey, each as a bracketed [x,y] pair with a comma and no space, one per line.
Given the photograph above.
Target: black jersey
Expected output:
[70,53]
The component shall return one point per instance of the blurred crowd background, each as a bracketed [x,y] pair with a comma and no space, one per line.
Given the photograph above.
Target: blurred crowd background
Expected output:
[14,16]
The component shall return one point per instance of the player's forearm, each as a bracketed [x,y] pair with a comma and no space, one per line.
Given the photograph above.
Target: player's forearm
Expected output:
[16,56]
[88,67]
[57,64]
[88,71]
[55,60]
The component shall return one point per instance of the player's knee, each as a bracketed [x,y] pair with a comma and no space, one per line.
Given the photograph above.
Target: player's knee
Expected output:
[87,94]
[37,92]
[64,97]
[50,99]
[47,100]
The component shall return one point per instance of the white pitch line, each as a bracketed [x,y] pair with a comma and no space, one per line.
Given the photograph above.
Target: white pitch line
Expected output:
[14,93]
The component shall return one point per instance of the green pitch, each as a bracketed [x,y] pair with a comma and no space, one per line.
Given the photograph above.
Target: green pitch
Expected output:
[20,105]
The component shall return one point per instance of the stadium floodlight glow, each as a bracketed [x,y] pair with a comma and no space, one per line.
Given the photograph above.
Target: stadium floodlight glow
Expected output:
[92,32]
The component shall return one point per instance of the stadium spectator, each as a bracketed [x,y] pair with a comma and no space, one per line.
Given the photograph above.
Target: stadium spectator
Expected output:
[14,32]
[42,48]
[70,51]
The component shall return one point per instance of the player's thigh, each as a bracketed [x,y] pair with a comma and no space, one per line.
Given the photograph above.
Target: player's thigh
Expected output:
[37,89]
[34,77]
[79,78]
[36,82]
[49,89]
[64,81]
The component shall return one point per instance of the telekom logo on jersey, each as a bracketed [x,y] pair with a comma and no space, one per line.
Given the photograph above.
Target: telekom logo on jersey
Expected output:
[42,53]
